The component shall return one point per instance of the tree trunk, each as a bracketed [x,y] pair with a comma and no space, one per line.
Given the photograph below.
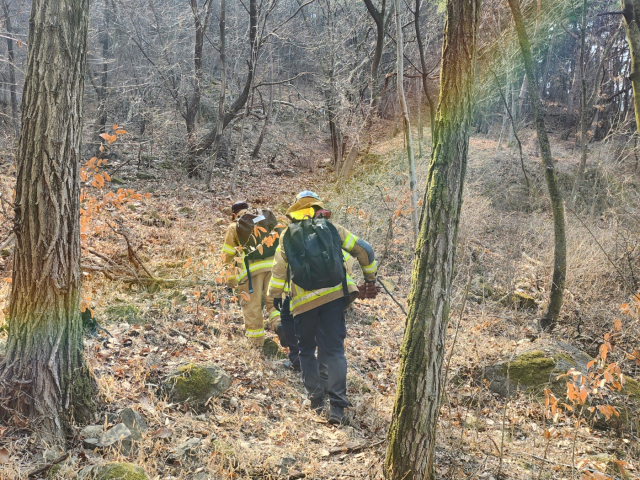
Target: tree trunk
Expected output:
[550,318]
[12,67]
[378,18]
[408,136]
[104,77]
[505,116]
[420,127]
[193,104]
[254,45]
[514,122]
[570,117]
[523,94]
[583,107]
[423,65]
[44,375]
[268,109]
[631,13]
[223,89]
[412,435]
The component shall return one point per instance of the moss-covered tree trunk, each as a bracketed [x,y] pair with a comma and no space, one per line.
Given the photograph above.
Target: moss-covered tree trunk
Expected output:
[44,376]
[412,435]
[631,13]
[550,318]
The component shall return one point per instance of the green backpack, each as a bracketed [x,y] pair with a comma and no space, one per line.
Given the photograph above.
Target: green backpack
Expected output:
[314,253]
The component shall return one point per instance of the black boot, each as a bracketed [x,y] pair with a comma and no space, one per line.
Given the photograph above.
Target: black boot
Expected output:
[281,336]
[317,405]
[336,416]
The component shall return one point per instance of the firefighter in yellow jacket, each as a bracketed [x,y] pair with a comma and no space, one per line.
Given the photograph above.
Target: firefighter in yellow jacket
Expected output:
[260,272]
[319,312]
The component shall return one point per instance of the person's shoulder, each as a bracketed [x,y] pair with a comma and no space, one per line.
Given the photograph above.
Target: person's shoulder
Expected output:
[339,227]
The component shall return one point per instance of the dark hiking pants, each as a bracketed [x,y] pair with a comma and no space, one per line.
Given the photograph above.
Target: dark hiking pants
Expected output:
[323,328]
[289,332]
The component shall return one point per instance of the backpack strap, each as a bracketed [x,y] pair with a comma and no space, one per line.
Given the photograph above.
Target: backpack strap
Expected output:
[246,265]
[334,234]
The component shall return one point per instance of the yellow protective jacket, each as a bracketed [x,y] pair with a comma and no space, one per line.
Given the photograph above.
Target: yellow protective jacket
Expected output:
[304,300]
[230,252]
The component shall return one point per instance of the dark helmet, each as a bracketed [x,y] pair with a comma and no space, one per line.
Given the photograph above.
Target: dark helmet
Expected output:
[239,206]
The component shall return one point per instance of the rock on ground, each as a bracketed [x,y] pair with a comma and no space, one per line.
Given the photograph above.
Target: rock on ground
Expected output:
[539,368]
[114,471]
[135,422]
[270,349]
[195,384]
[185,450]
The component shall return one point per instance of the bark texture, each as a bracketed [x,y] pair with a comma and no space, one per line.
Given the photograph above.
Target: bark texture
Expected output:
[12,67]
[550,317]
[44,375]
[631,13]
[412,435]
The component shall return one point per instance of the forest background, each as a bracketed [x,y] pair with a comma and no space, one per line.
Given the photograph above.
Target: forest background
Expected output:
[191,105]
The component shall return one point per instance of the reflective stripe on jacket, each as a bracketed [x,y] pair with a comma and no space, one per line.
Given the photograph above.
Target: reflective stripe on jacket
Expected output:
[304,300]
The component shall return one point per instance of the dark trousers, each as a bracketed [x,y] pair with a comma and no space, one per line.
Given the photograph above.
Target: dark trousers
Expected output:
[323,328]
[289,331]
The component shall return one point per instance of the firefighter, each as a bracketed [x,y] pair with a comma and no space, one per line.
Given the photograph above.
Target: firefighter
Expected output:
[257,277]
[318,313]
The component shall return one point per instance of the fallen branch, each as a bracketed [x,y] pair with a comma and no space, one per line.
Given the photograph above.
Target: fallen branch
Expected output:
[165,282]
[8,242]
[105,271]
[133,257]
[354,448]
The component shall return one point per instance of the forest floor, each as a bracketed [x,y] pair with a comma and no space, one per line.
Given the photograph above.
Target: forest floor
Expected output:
[261,426]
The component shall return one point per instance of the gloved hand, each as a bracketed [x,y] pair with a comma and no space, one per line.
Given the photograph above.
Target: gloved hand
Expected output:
[277,303]
[281,336]
[368,290]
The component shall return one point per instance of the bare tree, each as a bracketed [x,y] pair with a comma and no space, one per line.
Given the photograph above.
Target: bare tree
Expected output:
[550,317]
[408,136]
[44,375]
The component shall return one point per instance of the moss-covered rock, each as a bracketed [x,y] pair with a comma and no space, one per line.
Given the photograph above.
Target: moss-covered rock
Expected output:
[123,312]
[529,369]
[546,367]
[522,300]
[145,176]
[479,289]
[270,349]
[54,471]
[195,384]
[155,219]
[537,369]
[118,471]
